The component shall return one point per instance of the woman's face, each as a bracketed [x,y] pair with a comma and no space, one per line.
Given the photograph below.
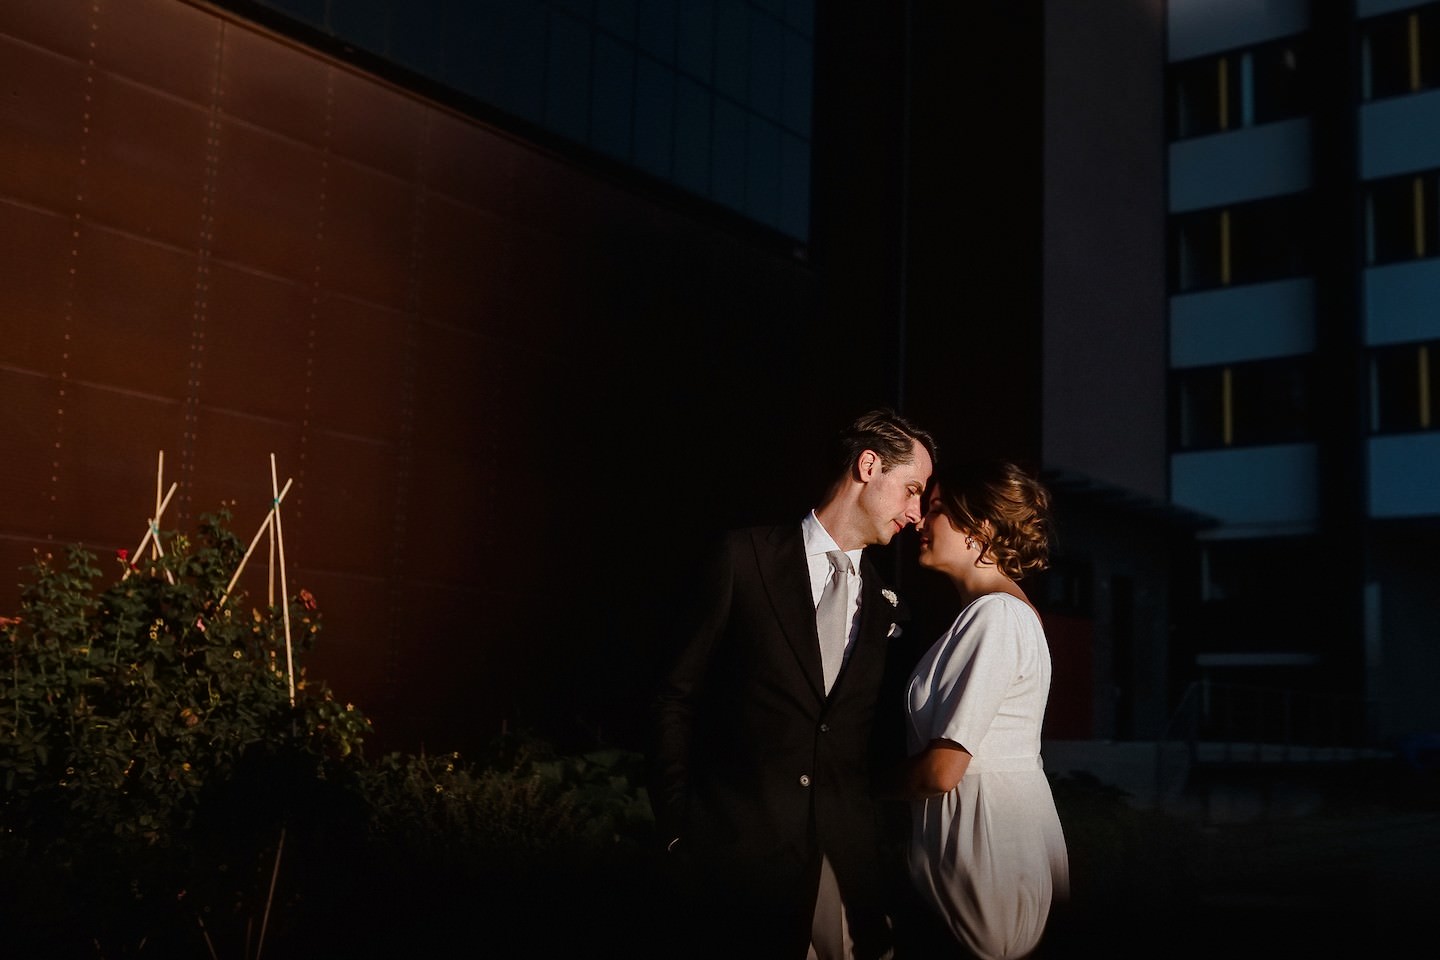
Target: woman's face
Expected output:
[942,544]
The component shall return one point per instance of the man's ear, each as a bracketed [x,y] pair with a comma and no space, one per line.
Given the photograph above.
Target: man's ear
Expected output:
[867,465]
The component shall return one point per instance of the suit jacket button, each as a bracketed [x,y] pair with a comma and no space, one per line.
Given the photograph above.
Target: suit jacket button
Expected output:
[804,779]
[824,728]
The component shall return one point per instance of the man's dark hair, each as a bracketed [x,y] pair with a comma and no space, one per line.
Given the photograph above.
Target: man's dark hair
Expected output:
[890,435]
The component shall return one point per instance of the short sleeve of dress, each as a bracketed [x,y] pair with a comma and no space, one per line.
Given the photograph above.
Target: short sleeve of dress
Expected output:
[976,674]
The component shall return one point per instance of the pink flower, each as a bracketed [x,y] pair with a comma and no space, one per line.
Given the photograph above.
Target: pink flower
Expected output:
[123,554]
[307,599]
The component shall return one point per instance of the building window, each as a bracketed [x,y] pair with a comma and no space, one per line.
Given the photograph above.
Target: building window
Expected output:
[1238,89]
[1400,218]
[1400,53]
[714,98]
[1402,395]
[1239,581]
[1241,404]
[1245,243]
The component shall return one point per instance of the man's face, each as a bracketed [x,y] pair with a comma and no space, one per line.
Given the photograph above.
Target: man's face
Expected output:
[892,499]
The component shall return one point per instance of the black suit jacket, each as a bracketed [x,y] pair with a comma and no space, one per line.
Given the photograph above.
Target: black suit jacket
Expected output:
[754,768]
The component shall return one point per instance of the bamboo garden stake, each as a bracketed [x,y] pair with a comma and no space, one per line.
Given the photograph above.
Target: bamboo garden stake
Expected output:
[272,524]
[155,551]
[279,541]
[264,526]
[152,533]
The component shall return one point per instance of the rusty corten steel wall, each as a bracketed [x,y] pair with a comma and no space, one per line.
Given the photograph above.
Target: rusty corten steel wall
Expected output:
[222,245]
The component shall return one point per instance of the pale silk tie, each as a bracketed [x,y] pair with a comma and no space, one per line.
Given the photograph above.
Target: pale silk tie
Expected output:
[829,934]
[832,617]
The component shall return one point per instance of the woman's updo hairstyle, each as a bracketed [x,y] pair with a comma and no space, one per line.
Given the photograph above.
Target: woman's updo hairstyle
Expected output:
[1005,509]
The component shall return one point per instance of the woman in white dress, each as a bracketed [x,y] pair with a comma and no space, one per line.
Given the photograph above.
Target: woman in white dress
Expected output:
[987,853]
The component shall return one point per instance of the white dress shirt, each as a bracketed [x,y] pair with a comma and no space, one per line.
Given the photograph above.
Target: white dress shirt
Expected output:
[818,543]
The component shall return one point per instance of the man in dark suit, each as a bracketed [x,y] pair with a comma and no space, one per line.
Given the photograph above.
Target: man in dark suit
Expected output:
[768,736]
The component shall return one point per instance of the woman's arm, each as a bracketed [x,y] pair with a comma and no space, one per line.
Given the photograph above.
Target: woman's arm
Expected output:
[933,771]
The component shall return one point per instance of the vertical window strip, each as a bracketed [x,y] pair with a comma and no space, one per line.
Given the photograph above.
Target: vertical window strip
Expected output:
[1375,373]
[1370,226]
[1247,89]
[1183,390]
[1225,247]
[1430,213]
[1367,88]
[1417,213]
[1412,30]
[1227,409]
[1183,256]
[1423,370]
[1182,110]
[1222,67]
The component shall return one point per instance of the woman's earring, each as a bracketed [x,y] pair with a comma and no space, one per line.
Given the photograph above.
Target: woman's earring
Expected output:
[969,543]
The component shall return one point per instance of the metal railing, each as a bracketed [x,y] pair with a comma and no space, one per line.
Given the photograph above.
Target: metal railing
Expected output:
[1233,725]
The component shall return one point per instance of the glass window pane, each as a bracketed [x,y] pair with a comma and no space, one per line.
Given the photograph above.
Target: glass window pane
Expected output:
[1247,243]
[1401,388]
[1400,214]
[1271,401]
[1195,251]
[1198,412]
[1281,87]
[1258,402]
[1242,579]
[1401,53]
[1204,97]
[1388,57]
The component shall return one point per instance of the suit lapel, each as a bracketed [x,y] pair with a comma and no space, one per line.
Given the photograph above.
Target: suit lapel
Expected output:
[875,619]
[781,558]
[876,613]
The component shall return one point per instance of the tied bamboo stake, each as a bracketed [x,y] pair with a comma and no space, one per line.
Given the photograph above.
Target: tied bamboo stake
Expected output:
[154,521]
[155,553]
[270,897]
[206,934]
[153,529]
[279,542]
[270,570]
[158,552]
[264,526]
[270,523]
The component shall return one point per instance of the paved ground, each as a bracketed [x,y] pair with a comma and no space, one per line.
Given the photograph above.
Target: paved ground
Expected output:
[1340,862]
[1333,861]
[1324,861]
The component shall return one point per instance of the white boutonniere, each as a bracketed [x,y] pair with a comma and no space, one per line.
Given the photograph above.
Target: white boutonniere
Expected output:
[894,601]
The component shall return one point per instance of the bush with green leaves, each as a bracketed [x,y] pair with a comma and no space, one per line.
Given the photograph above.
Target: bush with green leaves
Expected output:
[125,702]
[135,707]
[153,763]
[521,800]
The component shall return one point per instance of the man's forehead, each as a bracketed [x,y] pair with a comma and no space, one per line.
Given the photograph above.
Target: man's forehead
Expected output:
[922,461]
[917,470]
